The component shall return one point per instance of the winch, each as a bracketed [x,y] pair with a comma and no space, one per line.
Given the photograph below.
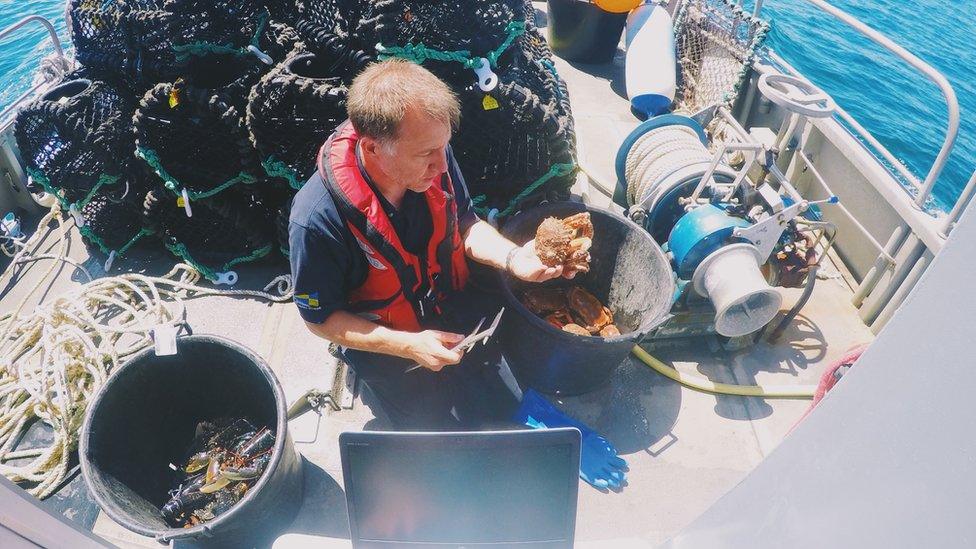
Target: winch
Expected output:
[732,222]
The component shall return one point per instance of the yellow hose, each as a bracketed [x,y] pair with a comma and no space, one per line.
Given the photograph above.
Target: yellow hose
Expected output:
[702,384]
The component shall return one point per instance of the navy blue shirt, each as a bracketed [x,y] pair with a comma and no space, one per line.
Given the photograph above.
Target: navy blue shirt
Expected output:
[326,262]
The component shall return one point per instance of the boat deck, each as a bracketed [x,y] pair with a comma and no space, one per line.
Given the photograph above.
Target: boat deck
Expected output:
[684,448]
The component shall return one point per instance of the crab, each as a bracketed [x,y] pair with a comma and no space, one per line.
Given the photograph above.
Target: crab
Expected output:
[565,242]
[610,330]
[575,329]
[544,300]
[560,318]
[588,311]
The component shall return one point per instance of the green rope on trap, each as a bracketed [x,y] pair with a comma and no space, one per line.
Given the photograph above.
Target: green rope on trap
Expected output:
[201,49]
[253,256]
[179,249]
[48,187]
[556,170]
[65,205]
[419,53]
[84,229]
[173,184]
[276,168]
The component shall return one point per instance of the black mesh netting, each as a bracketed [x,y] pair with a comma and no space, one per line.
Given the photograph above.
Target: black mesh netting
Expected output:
[282,10]
[508,139]
[325,27]
[112,223]
[478,27]
[194,139]
[76,138]
[236,228]
[126,39]
[292,111]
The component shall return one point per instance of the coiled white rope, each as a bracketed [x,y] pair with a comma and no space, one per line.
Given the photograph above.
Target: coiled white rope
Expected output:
[54,359]
[656,155]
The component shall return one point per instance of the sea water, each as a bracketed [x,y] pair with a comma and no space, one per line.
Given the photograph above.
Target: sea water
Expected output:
[899,106]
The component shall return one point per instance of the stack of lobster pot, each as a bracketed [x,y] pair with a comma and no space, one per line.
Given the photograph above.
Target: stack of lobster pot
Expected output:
[515,145]
[68,139]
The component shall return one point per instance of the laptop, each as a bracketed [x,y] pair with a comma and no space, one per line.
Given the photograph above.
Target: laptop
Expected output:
[472,489]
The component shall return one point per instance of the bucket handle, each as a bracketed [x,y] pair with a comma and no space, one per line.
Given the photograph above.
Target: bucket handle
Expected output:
[205,532]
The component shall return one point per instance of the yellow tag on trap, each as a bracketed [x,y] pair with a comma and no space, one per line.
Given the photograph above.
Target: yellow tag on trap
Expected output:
[180,203]
[489,103]
[174,97]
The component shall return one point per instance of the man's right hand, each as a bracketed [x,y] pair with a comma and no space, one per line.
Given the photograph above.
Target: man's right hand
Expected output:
[431,349]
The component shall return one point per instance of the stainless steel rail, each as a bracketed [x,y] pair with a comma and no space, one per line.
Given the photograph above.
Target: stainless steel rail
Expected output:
[57,48]
[935,76]
[952,128]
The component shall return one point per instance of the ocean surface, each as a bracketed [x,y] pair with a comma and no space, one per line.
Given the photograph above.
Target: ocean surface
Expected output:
[903,109]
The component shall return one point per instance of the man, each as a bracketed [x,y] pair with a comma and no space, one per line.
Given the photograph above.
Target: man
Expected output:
[380,241]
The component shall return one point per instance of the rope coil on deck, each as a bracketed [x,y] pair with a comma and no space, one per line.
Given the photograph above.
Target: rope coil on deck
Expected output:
[55,358]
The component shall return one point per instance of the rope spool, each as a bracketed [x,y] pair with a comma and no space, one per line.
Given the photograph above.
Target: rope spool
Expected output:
[194,140]
[661,161]
[221,233]
[292,111]
[70,139]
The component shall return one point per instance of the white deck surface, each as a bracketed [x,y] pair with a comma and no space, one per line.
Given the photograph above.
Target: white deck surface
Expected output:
[684,448]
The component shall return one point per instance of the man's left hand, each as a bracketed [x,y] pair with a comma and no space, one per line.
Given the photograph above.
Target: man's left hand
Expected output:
[526,266]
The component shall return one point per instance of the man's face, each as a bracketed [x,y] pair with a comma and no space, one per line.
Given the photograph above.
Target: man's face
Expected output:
[419,152]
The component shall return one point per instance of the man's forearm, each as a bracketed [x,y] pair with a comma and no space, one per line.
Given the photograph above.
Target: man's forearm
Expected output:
[484,244]
[355,332]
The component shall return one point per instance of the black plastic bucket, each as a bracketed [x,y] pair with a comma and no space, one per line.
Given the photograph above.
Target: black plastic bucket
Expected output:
[144,418]
[581,31]
[629,273]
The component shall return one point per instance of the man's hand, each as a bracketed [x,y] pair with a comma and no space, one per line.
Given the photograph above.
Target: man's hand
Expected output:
[526,266]
[432,349]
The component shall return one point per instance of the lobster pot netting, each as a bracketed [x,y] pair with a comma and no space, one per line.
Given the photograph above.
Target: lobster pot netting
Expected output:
[325,29]
[291,112]
[206,33]
[113,224]
[222,233]
[193,140]
[234,74]
[423,30]
[123,40]
[508,140]
[285,11]
[76,138]
[716,41]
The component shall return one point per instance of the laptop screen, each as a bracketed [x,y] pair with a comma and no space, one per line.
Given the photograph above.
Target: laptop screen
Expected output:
[503,487]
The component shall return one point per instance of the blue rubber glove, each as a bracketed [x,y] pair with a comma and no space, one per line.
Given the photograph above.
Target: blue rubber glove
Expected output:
[600,466]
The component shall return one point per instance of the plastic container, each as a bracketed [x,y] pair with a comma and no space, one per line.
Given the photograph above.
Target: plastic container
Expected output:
[144,418]
[581,31]
[629,273]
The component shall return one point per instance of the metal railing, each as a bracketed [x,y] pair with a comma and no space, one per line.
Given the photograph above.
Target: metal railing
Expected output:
[57,48]
[952,129]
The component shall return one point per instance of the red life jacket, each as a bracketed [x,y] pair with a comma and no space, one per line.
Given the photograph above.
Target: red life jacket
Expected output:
[401,288]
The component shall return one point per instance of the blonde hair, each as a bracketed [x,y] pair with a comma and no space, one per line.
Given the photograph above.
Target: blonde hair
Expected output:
[380,95]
